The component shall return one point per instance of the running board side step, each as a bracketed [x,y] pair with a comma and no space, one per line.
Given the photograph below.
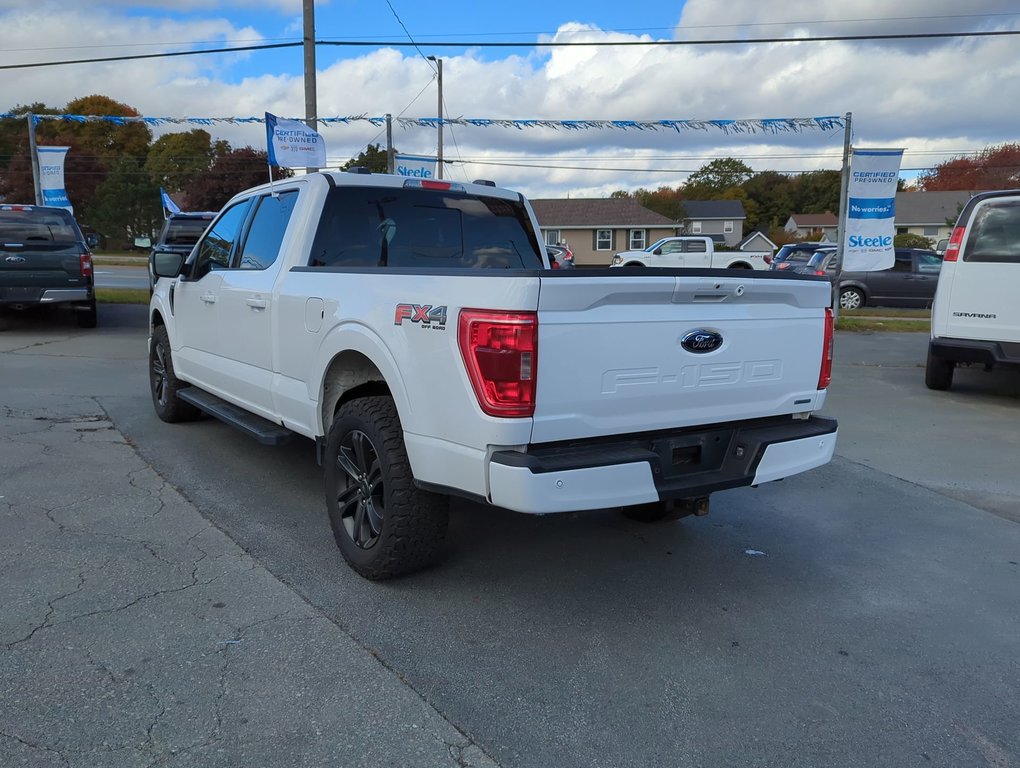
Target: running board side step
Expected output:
[263,430]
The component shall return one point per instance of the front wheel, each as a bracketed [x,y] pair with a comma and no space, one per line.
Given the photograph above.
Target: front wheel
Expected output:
[850,298]
[164,384]
[383,524]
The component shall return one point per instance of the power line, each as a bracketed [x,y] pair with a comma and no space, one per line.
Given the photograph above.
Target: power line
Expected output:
[533,44]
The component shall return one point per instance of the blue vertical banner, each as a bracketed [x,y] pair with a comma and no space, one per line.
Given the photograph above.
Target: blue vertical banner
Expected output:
[292,144]
[51,176]
[870,224]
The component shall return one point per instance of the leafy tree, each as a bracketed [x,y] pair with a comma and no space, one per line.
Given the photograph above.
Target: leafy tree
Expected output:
[108,140]
[373,158]
[175,160]
[996,167]
[233,171]
[716,177]
[816,192]
[909,240]
[772,193]
[126,204]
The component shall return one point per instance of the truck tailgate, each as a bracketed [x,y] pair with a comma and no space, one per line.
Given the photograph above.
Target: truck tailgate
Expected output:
[612,357]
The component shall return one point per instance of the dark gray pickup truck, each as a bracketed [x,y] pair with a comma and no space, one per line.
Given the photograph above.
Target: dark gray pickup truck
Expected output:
[45,260]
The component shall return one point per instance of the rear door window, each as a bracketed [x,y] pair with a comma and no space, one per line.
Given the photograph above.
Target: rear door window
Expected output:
[995,233]
[387,227]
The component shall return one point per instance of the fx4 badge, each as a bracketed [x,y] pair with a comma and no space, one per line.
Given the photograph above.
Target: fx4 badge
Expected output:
[426,315]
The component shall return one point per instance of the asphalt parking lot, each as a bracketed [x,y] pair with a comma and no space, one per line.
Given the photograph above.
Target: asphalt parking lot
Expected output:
[172,595]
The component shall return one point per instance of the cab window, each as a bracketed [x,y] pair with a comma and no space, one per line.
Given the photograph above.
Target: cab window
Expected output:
[268,226]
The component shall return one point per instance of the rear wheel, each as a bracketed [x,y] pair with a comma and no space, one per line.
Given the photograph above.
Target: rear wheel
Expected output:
[383,524]
[938,373]
[87,316]
[163,382]
[851,298]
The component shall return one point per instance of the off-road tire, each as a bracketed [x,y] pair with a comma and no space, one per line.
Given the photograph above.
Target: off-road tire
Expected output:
[163,383]
[938,373]
[383,524]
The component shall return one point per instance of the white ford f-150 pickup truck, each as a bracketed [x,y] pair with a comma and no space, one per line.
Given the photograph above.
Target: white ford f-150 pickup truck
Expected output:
[413,329]
[691,251]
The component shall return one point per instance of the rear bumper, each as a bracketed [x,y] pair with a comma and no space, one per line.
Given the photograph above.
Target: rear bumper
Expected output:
[679,464]
[26,297]
[999,353]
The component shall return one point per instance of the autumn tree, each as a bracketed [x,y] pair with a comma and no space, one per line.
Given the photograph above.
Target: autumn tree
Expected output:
[816,192]
[233,171]
[996,167]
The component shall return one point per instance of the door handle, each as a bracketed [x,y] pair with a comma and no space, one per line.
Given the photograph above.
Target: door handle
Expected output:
[209,298]
[256,303]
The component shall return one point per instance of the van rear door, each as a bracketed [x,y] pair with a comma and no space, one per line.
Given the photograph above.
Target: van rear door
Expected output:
[982,297]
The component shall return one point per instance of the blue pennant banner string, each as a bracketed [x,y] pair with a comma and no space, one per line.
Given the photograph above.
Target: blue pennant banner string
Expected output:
[764,125]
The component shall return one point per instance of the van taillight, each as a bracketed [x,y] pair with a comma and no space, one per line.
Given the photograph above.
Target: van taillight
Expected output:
[825,373]
[85,263]
[953,249]
[500,352]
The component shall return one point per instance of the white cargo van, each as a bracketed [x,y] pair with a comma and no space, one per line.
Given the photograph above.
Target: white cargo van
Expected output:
[976,315]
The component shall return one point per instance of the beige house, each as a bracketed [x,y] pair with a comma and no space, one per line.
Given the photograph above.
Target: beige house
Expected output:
[596,229]
[809,224]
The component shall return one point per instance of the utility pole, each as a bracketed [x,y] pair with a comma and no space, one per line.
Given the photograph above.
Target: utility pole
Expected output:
[389,143]
[841,227]
[311,109]
[36,175]
[439,153]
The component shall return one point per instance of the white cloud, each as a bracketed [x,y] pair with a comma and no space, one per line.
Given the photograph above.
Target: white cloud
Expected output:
[928,96]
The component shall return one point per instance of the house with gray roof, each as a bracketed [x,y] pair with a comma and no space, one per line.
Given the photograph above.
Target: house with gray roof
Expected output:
[929,214]
[722,220]
[597,228]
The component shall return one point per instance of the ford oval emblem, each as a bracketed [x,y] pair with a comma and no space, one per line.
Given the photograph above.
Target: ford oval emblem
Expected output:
[15,259]
[701,340]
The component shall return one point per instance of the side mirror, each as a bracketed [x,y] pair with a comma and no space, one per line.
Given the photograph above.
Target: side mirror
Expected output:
[91,239]
[165,264]
[143,242]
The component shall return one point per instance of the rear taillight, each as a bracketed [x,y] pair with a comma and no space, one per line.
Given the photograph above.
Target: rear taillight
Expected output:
[500,352]
[767,258]
[953,249]
[85,263]
[825,373]
[820,272]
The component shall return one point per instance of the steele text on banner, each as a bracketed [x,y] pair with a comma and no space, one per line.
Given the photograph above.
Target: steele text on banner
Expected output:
[871,210]
[415,166]
[51,177]
[292,144]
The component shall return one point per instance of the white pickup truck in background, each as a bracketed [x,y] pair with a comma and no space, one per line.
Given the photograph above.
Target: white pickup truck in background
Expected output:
[691,251]
[413,330]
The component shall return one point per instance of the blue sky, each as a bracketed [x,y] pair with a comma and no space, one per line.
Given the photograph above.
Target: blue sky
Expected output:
[936,98]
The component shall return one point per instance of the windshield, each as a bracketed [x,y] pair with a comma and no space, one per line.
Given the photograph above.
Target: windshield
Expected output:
[19,225]
[184,231]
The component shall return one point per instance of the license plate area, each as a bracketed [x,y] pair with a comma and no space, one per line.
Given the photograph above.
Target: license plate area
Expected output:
[689,454]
